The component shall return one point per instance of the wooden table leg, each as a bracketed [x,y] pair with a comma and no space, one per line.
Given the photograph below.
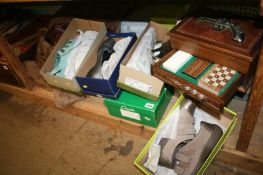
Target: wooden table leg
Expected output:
[15,63]
[253,108]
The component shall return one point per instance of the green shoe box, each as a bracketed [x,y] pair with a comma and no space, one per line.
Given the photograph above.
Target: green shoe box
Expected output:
[138,109]
[230,122]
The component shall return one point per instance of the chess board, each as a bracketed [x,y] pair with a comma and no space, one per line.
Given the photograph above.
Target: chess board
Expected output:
[218,79]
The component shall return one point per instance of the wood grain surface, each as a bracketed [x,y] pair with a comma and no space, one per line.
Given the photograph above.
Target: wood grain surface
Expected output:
[196,68]
[253,108]
[216,46]
[92,108]
[14,63]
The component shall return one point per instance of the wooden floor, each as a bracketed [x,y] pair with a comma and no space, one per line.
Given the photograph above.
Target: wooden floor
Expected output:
[92,108]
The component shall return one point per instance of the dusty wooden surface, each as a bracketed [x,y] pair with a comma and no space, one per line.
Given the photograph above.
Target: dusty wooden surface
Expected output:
[35,139]
[92,109]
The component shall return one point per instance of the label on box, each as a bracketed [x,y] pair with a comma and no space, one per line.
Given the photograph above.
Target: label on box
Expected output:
[138,85]
[128,112]
[149,105]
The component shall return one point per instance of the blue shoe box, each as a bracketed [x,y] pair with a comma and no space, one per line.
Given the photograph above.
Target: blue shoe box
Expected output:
[102,87]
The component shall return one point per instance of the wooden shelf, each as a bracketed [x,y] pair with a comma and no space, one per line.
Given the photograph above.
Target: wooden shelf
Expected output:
[93,109]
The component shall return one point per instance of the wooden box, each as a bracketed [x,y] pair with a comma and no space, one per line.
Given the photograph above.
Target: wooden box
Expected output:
[200,39]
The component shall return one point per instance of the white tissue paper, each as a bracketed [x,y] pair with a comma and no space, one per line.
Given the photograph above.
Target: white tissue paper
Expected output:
[141,58]
[201,115]
[77,55]
[109,65]
[168,130]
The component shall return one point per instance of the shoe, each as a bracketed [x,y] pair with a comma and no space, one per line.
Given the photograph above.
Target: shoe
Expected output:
[104,52]
[185,133]
[190,157]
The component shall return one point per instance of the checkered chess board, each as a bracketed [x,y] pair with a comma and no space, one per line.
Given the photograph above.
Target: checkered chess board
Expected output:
[216,78]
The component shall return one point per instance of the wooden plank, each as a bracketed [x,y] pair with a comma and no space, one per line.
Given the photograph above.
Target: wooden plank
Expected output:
[253,108]
[240,159]
[196,68]
[91,108]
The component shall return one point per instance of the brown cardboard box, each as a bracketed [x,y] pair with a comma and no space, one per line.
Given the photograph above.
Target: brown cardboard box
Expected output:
[88,62]
[150,86]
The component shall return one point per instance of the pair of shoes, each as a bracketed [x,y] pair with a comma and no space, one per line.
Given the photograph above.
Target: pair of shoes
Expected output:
[191,156]
[188,152]
[185,133]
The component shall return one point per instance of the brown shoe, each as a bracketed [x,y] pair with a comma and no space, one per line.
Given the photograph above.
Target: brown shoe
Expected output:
[185,133]
[190,157]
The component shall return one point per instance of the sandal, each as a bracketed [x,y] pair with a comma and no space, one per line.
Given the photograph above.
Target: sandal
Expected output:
[190,157]
[185,133]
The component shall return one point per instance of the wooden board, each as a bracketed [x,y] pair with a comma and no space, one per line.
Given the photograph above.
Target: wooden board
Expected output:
[196,68]
[240,159]
[92,108]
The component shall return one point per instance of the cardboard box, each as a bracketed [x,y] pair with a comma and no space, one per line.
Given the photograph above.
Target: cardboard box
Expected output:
[130,79]
[138,109]
[133,26]
[101,87]
[230,123]
[67,84]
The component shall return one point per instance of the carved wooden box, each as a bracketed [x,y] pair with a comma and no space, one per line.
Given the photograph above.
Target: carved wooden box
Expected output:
[199,38]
